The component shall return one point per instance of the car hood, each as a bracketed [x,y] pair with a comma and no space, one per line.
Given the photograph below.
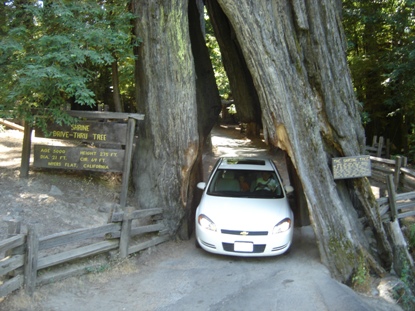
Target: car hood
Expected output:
[244,213]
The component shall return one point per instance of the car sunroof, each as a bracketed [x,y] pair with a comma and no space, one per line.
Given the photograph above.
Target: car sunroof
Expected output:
[251,162]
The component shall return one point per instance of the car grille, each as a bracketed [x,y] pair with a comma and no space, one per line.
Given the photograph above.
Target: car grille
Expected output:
[258,248]
[245,233]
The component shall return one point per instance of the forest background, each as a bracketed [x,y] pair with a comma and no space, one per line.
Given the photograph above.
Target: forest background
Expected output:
[56,53]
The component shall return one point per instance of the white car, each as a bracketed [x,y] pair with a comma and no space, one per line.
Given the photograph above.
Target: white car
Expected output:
[244,209]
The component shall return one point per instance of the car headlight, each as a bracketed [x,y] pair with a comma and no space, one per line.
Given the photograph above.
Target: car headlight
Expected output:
[282,226]
[206,223]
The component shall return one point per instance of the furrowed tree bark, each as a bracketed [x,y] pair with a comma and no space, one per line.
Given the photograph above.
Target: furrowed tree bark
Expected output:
[208,98]
[295,53]
[168,144]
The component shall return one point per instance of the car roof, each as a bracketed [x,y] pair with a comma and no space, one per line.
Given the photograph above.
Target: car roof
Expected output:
[257,164]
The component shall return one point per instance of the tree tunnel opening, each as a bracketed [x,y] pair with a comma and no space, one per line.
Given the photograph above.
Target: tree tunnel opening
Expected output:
[242,89]
[295,56]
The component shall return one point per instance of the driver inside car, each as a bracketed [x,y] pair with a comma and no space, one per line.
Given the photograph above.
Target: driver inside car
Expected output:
[265,182]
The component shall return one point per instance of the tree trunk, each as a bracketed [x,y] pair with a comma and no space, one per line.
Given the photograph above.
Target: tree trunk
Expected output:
[208,98]
[295,53]
[168,144]
[181,104]
[115,87]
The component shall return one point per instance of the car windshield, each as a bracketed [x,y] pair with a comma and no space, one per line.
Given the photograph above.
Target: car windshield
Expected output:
[245,183]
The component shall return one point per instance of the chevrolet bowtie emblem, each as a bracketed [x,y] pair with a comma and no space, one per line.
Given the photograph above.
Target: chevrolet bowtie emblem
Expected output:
[244,233]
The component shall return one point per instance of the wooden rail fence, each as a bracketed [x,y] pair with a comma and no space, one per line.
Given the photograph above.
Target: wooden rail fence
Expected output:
[403,177]
[382,165]
[391,209]
[27,260]
[394,174]
[379,148]
[396,205]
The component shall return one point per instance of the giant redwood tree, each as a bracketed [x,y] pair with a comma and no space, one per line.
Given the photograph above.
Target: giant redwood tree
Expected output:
[292,57]
[172,92]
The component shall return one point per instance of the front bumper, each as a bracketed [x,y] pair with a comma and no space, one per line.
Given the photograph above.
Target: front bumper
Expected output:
[247,244]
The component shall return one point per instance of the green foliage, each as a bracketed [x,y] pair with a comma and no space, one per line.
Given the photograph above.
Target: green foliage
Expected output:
[98,269]
[215,55]
[404,291]
[381,55]
[361,280]
[365,117]
[409,232]
[51,53]
[231,109]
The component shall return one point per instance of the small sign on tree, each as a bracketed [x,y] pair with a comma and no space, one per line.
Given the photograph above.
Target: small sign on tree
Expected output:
[352,167]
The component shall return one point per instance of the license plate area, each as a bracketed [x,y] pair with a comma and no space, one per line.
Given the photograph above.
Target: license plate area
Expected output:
[247,247]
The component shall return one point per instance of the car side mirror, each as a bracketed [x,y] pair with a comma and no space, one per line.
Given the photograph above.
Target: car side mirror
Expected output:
[288,189]
[201,185]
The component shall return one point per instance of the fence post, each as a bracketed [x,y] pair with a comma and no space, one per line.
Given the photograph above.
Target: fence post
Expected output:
[404,162]
[398,164]
[27,142]
[380,147]
[401,256]
[392,197]
[125,234]
[388,148]
[30,267]
[374,141]
[127,161]
[14,225]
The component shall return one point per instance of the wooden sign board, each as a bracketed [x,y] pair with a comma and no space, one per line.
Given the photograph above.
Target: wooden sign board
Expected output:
[352,167]
[99,132]
[75,158]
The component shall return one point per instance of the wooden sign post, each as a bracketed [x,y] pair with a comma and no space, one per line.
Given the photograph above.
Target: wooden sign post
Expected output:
[105,154]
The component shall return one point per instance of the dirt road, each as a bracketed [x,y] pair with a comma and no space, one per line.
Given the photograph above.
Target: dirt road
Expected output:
[177,276]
